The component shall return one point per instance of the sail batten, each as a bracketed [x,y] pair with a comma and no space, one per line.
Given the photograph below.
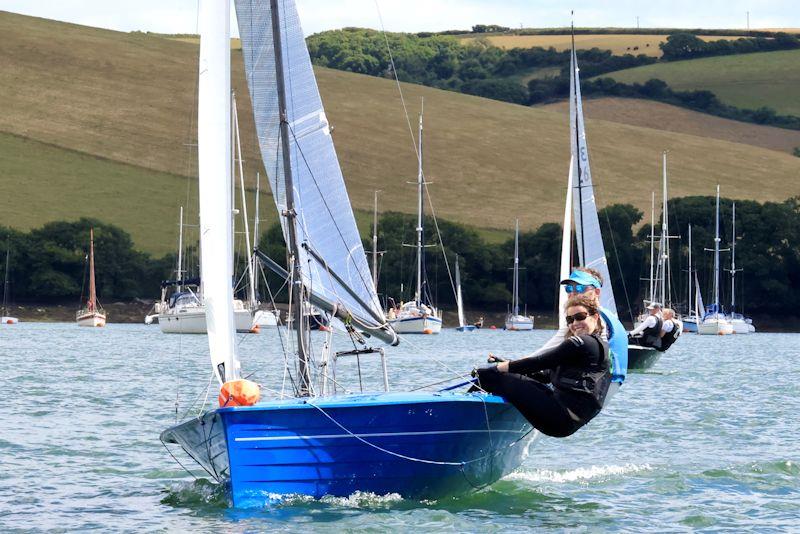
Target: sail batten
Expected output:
[324,219]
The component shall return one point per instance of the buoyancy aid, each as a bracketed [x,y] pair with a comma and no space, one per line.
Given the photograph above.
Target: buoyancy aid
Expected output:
[592,379]
[671,337]
[651,336]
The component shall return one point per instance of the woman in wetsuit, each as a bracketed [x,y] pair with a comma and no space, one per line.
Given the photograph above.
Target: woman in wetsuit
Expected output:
[562,389]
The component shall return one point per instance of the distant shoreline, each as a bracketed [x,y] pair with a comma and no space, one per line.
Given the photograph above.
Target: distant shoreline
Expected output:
[134,312]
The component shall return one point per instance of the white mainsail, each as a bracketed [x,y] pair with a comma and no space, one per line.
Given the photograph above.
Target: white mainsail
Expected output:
[332,260]
[591,252]
[214,164]
[566,245]
[459,301]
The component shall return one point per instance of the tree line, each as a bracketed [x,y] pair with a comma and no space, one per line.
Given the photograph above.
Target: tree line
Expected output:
[48,264]
[478,68]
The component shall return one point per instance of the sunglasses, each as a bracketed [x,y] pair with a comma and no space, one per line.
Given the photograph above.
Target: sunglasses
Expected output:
[577,288]
[580,316]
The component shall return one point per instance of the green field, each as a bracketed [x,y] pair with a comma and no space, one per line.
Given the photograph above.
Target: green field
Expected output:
[101,123]
[747,81]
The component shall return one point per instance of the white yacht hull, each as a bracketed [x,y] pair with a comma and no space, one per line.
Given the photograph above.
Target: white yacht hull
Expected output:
[266,318]
[715,327]
[193,321]
[91,319]
[8,320]
[417,325]
[741,327]
[519,322]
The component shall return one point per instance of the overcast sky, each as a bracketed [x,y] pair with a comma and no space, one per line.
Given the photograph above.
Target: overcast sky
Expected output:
[179,16]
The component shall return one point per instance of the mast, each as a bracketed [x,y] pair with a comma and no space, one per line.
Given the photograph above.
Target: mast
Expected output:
[250,258]
[179,270]
[92,304]
[578,154]
[652,243]
[297,293]
[733,259]
[420,178]
[689,275]
[214,164]
[666,291]
[716,256]
[5,279]
[515,302]
[375,243]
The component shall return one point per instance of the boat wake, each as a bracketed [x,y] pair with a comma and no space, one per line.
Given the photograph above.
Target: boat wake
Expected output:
[582,474]
[200,492]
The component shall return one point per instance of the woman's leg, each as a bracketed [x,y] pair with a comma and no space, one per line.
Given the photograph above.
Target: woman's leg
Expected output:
[535,401]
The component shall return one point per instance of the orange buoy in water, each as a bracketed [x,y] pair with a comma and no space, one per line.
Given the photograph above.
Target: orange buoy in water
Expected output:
[239,393]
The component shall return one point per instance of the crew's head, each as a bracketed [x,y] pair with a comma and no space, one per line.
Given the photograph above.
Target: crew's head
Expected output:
[583,315]
[667,313]
[654,308]
[584,281]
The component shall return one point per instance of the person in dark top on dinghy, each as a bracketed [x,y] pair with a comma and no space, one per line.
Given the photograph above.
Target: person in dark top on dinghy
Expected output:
[562,388]
[648,334]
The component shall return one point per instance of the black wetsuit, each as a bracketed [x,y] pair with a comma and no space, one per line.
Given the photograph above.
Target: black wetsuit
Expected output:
[579,370]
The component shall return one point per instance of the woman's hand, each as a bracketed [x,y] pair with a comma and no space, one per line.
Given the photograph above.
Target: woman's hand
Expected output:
[495,359]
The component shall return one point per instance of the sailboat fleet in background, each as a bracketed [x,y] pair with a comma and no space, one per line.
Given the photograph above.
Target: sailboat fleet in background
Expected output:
[92,314]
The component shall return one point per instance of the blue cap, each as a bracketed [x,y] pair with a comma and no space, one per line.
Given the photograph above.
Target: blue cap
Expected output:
[582,277]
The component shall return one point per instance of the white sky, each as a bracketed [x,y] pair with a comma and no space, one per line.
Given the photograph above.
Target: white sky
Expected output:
[179,16]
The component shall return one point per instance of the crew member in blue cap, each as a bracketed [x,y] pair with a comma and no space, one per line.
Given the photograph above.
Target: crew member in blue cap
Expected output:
[589,282]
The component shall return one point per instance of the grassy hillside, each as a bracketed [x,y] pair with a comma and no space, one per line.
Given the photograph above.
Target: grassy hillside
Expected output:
[650,114]
[618,44]
[101,124]
[746,80]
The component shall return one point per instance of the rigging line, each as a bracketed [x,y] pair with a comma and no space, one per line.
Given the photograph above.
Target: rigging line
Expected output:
[392,453]
[328,209]
[397,81]
[619,266]
[441,381]
[439,235]
[406,339]
[178,461]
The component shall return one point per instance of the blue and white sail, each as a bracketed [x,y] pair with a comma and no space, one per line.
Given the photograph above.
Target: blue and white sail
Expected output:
[332,260]
[591,252]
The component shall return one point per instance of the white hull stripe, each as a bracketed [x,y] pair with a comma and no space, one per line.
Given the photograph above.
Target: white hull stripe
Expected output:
[375,435]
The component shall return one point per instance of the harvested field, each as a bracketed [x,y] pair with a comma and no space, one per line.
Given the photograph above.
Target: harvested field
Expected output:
[618,44]
[657,115]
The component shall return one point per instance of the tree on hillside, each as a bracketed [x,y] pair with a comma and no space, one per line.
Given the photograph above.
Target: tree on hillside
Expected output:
[681,45]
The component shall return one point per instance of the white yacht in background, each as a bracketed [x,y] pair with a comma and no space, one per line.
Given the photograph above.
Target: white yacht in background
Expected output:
[714,321]
[418,316]
[4,317]
[740,323]
[515,321]
[92,314]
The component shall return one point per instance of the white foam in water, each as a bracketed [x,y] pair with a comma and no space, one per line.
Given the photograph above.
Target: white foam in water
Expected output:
[580,474]
[360,498]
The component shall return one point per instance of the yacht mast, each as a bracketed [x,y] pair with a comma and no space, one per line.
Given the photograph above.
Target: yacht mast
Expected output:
[515,303]
[420,179]
[297,293]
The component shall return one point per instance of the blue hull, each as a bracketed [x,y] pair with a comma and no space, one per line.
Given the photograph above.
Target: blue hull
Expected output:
[420,446]
[466,328]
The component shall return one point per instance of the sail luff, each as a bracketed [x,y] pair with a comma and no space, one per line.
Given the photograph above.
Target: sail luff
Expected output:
[566,247]
[214,164]
[251,289]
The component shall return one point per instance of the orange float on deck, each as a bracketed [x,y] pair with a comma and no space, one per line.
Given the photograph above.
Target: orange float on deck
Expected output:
[239,393]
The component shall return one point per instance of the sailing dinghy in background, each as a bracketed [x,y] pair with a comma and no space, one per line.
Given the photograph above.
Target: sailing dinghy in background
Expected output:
[462,324]
[418,444]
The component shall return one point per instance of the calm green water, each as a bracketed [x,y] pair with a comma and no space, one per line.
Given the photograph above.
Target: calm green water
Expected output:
[708,440]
